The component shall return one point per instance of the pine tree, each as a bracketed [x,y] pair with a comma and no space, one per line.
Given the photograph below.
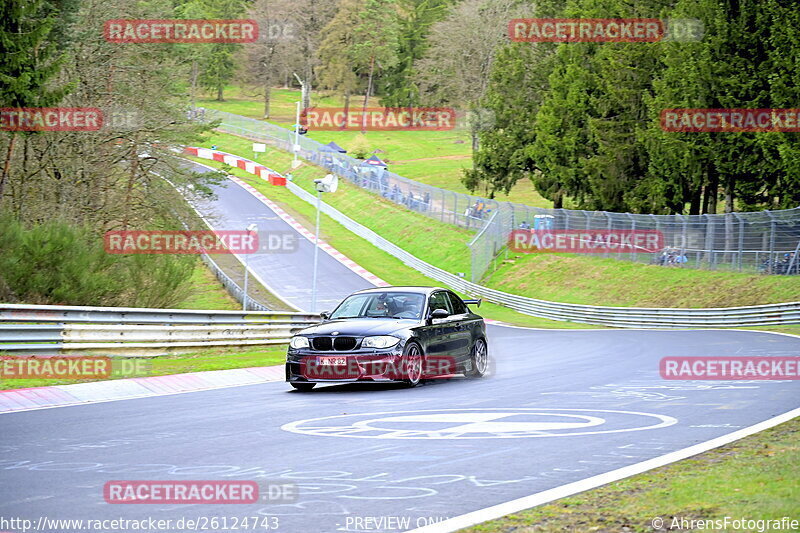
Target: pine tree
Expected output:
[31,63]
[414,19]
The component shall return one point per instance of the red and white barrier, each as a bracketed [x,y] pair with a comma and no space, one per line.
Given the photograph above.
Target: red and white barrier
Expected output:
[275,178]
[251,167]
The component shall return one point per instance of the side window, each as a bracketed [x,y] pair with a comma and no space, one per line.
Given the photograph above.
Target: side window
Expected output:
[459,307]
[439,300]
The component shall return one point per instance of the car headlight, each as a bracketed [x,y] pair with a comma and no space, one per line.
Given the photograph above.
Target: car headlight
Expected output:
[298,342]
[379,341]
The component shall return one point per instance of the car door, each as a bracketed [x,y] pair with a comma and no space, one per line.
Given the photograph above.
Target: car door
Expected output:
[438,331]
[460,341]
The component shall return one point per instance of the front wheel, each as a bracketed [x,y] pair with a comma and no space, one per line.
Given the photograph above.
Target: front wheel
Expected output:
[412,364]
[303,387]
[479,360]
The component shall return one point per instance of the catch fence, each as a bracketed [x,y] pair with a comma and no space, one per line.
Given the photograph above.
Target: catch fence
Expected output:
[763,241]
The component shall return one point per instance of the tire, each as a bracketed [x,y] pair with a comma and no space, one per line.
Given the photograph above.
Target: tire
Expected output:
[413,361]
[479,360]
[303,387]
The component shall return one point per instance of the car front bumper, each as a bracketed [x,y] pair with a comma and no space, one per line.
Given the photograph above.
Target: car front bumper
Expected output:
[303,366]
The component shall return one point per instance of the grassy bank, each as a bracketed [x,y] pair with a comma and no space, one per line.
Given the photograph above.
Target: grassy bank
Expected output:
[753,478]
[572,279]
[599,281]
[380,263]
[207,292]
[431,157]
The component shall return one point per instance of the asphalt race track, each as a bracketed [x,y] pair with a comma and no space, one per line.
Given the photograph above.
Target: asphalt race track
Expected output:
[288,272]
[560,406]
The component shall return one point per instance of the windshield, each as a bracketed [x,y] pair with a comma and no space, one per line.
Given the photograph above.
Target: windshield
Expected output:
[381,305]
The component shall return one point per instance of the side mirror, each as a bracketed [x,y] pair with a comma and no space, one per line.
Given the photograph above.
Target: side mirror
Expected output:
[325,315]
[439,313]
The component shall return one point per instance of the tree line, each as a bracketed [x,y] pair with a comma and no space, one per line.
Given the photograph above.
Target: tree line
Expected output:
[580,120]
[60,191]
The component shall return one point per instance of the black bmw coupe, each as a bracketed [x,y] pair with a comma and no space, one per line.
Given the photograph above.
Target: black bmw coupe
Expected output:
[390,334]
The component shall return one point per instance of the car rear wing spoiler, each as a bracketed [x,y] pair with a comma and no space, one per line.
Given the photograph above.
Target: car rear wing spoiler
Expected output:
[474,302]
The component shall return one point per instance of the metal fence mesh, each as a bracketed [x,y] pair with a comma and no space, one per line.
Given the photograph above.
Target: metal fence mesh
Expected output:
[459,209]
[764,241]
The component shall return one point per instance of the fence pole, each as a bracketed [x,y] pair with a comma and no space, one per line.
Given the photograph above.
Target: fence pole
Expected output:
[635,255]
[771,257]
[741,240]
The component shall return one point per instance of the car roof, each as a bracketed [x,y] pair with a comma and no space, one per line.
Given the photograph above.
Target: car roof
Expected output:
[418,289]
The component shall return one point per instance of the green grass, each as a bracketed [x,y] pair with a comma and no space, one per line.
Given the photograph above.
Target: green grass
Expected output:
[208,292]
[380,263]
[213,359]
[599,281]
[753,478]
[441,244]
[789,330]
[431,157]
[554,277]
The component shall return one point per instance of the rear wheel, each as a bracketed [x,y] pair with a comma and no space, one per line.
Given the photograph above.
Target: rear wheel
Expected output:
[412,364]
[303,387]
[479,360]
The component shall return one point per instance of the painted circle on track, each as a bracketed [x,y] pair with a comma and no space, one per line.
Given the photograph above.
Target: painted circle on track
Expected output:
[483,423]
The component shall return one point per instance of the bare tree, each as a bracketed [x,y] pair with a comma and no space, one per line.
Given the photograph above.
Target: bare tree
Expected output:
[311,16]
[103,178]
[456,68]
[276,50]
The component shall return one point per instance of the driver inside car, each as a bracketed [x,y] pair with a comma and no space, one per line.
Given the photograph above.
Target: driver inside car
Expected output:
[413,306]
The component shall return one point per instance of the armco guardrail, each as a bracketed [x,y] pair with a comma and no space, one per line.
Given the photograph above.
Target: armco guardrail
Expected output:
[626,317]
[51,330]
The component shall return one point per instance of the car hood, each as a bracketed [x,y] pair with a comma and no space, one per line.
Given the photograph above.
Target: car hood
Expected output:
[360,326]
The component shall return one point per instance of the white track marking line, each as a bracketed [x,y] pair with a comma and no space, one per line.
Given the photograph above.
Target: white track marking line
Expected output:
[540,498]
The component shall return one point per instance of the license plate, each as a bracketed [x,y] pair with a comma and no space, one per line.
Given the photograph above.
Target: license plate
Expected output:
[331,361]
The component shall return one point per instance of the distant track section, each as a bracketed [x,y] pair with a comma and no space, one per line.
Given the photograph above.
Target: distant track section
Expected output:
[625,317]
